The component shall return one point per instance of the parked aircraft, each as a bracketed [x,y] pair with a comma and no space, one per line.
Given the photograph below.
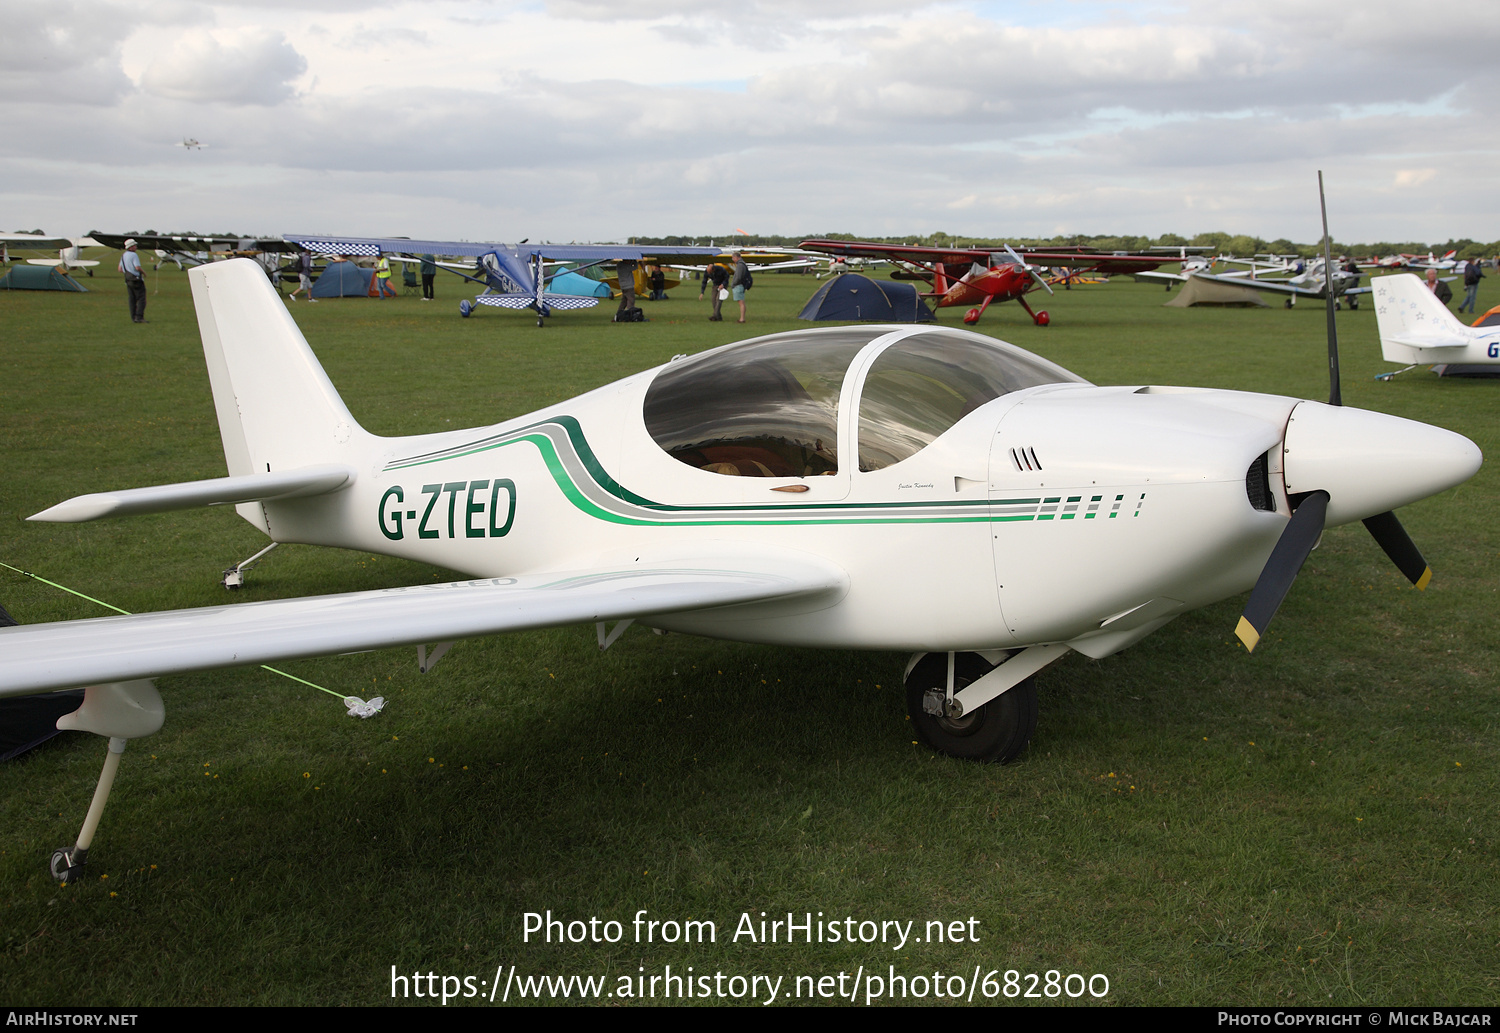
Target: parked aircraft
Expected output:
[978,277]
[515,275]
[68,250]
[873,487]
[1419,330]
[1309,282]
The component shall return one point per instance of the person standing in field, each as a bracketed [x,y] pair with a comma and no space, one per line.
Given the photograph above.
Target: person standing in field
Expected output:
[741,283]
[429,274]
[1472,275]
[135,282]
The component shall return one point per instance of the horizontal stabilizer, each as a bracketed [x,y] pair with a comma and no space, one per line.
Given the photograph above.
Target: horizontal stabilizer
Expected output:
[558,301]
[219,491]
[39,657]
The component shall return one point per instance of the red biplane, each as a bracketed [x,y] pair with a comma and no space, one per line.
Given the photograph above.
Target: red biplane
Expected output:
[979,276]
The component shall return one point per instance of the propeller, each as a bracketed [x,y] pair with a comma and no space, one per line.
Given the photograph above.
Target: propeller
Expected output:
[1310,511]
[1276,577]
[1020,262]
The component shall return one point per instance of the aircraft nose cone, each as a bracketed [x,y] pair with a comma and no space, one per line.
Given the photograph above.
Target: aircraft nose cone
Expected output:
[1370,462]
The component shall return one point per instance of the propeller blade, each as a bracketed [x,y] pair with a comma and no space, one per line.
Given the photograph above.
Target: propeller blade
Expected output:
[1392,537]
[1012,252]
[1335,397]
[1276,578]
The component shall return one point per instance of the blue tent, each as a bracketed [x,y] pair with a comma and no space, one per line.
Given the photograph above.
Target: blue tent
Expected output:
[39,278]
[347,280]
[850,296]
[575,283]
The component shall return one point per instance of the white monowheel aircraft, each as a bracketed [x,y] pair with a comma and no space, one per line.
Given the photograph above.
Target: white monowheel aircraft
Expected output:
[884,487]
[1419,330]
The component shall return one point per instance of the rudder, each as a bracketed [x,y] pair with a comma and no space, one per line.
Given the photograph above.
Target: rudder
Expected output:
[277,409]
[1412,319]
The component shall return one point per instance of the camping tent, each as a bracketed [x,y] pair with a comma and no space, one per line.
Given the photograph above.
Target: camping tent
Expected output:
[1211,292]
[852,296]
[39,278]
[575,283]
[347,280]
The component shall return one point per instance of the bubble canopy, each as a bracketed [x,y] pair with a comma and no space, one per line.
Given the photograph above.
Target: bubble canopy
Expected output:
[770,407]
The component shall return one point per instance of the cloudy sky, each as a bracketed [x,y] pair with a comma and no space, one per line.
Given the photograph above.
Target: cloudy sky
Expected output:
[599,119]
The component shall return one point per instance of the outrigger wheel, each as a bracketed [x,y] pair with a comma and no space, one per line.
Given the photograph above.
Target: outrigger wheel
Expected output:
[996,732]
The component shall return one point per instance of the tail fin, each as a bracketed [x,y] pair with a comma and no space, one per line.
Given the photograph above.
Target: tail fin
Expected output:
[277,409]
[1412,320]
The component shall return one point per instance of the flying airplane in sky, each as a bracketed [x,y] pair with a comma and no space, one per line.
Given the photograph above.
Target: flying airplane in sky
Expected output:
[978,277]
[1417,329]
[912,488]
[515,275]
[188,143]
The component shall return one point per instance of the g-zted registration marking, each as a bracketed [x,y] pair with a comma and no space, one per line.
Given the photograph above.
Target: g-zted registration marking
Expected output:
[393,519]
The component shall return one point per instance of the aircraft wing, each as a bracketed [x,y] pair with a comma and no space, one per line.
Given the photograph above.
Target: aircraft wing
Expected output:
[1105,262]
[658,255]
[173,243]
[1275,286]
[40,657]
[32,242]
[899,252]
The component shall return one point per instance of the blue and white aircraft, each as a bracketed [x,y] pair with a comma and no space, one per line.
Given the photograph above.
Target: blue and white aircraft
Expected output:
[515,275]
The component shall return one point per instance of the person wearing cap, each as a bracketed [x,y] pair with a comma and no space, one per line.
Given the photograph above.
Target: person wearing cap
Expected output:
[135,282]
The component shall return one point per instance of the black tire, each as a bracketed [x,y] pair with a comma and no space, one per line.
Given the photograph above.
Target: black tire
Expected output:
[995,733]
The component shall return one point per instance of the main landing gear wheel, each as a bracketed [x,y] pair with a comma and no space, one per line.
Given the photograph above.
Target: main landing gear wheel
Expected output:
[1040,319]
[971,317]
[997,732]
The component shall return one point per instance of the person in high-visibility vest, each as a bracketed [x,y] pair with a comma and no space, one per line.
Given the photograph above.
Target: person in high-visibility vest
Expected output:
[383,275]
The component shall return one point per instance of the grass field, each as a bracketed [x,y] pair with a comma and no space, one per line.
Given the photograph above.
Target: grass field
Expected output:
[1314,824]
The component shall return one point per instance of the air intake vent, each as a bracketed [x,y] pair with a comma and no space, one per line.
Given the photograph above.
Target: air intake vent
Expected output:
[1258,485]
[1025,459]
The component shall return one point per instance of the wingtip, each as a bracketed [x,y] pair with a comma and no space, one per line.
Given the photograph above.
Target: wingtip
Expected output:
[1248,635]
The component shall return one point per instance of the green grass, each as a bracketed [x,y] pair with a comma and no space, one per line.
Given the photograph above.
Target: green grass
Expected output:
[1313,824]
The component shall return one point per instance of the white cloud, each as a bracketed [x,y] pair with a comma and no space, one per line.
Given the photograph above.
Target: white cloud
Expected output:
[237,66]
[494,118]
[63,52]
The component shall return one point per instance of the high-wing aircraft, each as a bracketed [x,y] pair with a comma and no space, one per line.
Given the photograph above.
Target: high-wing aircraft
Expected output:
[68,250]
[515,276]
[1309,283]
[1417,329]
[902,487]
[978,277]
[186,250]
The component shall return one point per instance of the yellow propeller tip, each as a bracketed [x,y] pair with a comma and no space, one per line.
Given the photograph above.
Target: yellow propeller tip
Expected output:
[1248,635]
[1422,581]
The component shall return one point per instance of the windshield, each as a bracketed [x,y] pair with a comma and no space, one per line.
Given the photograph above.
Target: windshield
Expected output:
[922,385]
[766,408]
